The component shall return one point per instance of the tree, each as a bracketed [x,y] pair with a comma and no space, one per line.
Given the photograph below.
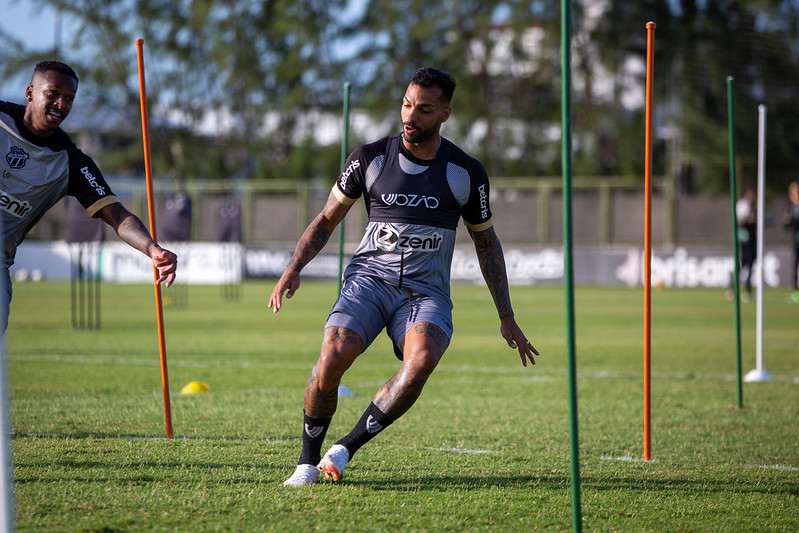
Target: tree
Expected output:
[250,68]
[506,95]
[235,87]
[699,43]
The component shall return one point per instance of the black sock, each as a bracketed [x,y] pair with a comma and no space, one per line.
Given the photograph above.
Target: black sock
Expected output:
[313,435]
[372,422]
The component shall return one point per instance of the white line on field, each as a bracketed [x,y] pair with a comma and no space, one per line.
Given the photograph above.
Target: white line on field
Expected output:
[458,450]
[775,467]
[125,360]
[626,458]
[123,436]
[538,376]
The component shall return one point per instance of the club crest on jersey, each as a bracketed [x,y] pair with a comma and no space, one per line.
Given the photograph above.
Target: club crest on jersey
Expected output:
[17,157]
[410,200]
[390,240]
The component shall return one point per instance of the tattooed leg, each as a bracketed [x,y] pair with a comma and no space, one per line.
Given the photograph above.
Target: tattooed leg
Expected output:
[340,348]
[422,349]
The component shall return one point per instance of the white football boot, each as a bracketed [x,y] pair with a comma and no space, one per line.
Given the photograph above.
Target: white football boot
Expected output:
[334,461]
[302,476]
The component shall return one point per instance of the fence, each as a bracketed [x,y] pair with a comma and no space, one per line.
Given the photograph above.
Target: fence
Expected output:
[527,213]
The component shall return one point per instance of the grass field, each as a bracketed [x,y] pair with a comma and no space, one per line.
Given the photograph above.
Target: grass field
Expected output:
[485,449]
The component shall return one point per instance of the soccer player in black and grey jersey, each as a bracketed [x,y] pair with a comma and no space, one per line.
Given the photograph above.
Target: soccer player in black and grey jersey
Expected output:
[416,186]
[40,165]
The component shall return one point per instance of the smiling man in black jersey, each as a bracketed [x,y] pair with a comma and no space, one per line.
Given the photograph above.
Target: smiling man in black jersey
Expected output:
[416,186]
[40,165]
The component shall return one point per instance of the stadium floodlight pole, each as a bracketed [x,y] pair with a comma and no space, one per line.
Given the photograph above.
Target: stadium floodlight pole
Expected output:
[650,60]
[345,128]
[159,307]
[737,267]
[759,374]
[568,264]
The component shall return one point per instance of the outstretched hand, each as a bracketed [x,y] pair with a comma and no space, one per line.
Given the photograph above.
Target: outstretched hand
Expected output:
[515,338]
[288,283]
[166,263]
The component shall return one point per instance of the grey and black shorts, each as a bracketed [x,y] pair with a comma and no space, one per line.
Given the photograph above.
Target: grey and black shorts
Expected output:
[367,305]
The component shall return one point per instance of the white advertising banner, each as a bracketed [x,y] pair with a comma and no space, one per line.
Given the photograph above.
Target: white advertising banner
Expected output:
[225,263]
[198,263]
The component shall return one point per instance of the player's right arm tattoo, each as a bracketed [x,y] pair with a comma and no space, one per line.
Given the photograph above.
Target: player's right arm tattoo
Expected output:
[311,243]
[492,265]
[317,233]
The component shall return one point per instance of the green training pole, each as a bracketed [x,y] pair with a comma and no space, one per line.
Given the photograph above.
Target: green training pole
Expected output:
[568,268]
[345,129]
[736,268]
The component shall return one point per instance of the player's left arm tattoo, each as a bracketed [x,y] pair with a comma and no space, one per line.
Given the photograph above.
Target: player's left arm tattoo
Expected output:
[492,265]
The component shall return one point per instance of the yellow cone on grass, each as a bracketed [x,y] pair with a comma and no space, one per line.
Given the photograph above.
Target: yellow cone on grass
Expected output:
[195,387]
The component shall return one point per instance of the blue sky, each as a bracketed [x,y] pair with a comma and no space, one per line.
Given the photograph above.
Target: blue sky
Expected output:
[34,27]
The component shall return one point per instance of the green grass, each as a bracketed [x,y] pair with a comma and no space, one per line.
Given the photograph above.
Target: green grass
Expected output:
[485,449]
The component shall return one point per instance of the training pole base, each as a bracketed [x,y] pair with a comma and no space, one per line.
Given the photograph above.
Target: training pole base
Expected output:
[757,375]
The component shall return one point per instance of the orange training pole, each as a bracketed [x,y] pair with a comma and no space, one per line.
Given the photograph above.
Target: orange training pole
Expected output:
[650,44]
[159,308]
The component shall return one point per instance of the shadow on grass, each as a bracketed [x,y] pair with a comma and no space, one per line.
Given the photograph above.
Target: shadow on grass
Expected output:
[691,486]
[378,478]
[563,482]
[240,472]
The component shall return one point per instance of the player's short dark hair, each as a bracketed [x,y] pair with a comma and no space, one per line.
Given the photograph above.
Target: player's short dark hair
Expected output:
[56,66]
[430,77]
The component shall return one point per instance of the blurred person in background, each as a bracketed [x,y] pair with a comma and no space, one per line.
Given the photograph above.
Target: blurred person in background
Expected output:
[746,219]
[790,219]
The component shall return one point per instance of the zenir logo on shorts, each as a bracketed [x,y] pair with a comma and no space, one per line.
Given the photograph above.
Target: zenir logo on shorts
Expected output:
[389,240]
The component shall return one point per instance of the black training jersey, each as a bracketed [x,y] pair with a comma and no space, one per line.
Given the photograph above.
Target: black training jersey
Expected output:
[37,173]
[413,207]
